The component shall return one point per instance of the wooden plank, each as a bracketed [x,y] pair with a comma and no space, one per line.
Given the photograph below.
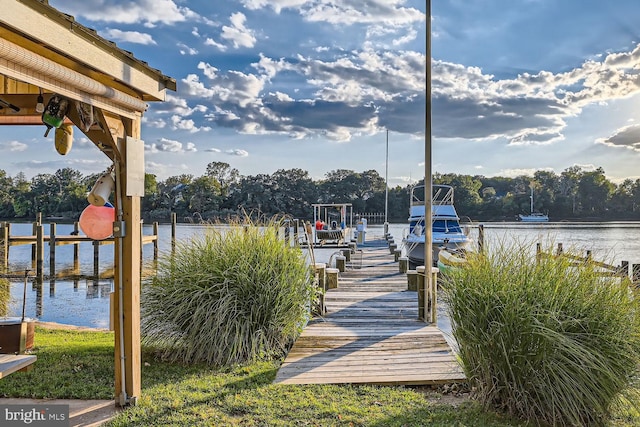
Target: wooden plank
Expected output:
[10,363]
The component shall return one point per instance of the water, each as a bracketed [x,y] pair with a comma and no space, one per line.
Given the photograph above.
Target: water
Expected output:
[86,302]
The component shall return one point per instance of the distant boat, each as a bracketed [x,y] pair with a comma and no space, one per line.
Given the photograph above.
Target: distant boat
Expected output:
[446,231]
[533,216]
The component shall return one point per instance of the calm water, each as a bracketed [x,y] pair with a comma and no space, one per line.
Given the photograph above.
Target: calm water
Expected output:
[86,302]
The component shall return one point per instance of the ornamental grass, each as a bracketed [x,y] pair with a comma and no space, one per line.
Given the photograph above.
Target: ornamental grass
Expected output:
[5,296]
[235,294]
[544,338]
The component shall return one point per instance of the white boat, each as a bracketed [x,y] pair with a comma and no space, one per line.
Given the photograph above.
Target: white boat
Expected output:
[533,216]
[445,226]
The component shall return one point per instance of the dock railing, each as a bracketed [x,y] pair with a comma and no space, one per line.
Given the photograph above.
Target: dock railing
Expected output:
[623,271]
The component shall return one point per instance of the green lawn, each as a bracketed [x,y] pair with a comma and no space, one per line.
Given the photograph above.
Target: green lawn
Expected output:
[79,365]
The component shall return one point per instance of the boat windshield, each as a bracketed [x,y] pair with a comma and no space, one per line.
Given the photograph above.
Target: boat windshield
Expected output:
[444,226]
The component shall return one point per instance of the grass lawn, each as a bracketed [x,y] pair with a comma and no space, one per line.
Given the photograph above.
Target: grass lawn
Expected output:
[79,365]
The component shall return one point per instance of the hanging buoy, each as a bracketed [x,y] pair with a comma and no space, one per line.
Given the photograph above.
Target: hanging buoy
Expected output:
[64,139]
[97,221]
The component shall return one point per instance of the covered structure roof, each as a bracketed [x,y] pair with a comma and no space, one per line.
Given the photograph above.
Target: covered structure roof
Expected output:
[45,52]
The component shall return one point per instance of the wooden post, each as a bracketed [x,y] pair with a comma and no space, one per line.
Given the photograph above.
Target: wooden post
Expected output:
[421,292]
[341,263]
[392,248]
[96,259]
[432,304]
[129,184]
[403,264]
[538,252]
[76,250]
[296,226]
[352,247]
[6,231]
[346,253]
[40,253]
[52,250]
[396,255]
[623,270]
[34,248]
[287,232]
[174,219]
[480,238]
[559,250]
[320,269]
[155,244]
[636,274]
[332,278]
[412,280]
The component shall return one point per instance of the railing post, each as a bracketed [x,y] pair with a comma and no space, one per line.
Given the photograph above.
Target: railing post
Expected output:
[412,280]
[403,264]
[320,270]
[332,278]
[636,274]
[480,238]
[40,252]
[432,305]
[76,250]
[52,249]
[421,292]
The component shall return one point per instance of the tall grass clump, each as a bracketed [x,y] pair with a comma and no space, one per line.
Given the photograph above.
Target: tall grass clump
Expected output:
[5,296]
[236,294]
[546,341]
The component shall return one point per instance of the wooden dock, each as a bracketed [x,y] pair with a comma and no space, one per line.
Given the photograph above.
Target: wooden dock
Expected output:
[370,333]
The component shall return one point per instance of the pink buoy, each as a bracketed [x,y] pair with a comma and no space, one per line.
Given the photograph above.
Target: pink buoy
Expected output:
[97,221]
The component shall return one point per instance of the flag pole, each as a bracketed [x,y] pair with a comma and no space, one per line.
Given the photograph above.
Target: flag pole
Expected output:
[428,255]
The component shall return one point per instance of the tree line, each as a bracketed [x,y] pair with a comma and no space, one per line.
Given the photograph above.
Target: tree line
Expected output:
[222,193]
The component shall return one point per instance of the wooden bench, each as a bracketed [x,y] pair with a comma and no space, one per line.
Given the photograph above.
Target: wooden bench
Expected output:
[10,363]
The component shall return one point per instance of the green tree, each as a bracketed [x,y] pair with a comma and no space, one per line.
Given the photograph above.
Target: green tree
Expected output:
[595,191]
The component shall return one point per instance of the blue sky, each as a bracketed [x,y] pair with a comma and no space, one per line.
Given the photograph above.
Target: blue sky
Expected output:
[518,86]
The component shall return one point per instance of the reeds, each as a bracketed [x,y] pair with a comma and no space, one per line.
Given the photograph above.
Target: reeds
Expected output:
[5,296]
[545,340]
[230,296]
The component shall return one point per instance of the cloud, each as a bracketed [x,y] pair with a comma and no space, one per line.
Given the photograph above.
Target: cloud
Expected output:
[387,12]
[128,36]
[150,12]
[237,152]
[213,150]
[170,146]
[13,146]
[237,33]
[186,50]
[625,137]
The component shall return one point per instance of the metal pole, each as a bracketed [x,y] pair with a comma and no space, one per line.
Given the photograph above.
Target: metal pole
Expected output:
[428,256]
[386,189]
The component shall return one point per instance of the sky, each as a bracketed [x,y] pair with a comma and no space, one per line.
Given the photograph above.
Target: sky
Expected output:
[321,85]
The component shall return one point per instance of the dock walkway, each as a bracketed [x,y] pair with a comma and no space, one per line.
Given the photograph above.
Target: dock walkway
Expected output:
[370,333]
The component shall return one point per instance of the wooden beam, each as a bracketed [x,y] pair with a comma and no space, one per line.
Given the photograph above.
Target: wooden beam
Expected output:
[127,280]
[58,36]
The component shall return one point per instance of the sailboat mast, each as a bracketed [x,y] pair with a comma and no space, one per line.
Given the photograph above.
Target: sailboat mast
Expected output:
[531,197]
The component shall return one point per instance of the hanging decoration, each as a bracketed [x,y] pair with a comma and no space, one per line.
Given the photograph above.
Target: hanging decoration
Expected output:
[54,113]
[97,221]
[64,139]
[99,194]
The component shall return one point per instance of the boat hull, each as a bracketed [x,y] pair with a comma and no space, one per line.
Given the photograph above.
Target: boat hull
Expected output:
[415,249]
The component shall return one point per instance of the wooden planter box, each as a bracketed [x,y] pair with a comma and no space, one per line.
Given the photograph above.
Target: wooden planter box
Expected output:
[16,336]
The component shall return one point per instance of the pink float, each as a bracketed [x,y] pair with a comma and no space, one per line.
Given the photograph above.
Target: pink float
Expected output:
[97,221]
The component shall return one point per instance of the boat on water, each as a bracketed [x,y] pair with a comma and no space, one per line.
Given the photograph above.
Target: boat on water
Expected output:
[446,231]
[533,216]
